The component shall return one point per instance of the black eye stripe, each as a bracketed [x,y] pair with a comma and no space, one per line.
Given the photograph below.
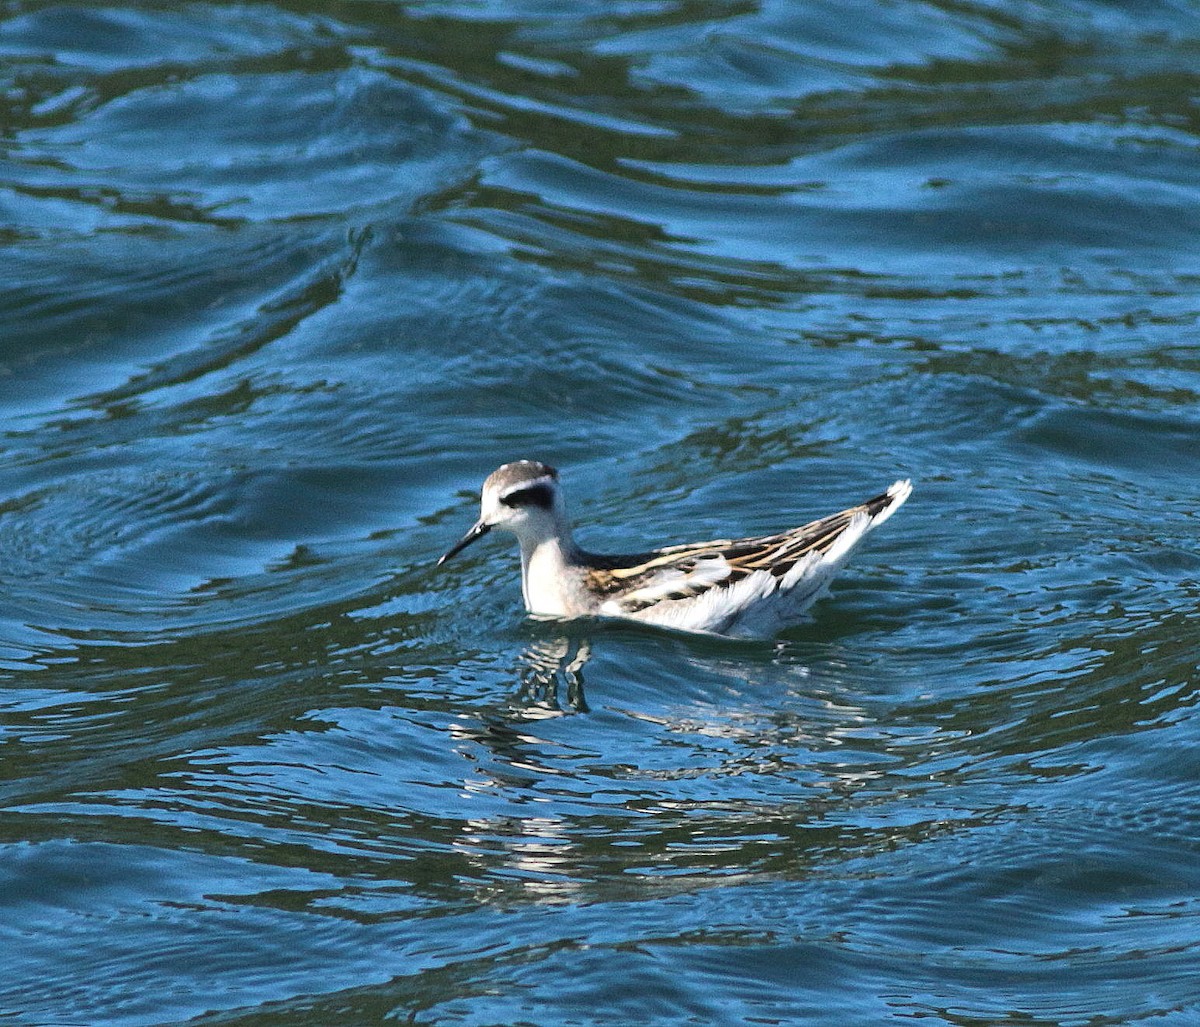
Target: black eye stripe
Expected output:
[534,495]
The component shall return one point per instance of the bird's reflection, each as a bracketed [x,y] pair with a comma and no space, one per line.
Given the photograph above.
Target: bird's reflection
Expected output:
[550,685]
[551,672]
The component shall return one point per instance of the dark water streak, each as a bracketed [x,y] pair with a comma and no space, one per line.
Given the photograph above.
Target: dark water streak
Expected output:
[282,282]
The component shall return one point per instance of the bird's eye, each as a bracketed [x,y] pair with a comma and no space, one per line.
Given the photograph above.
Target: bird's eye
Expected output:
[534,495]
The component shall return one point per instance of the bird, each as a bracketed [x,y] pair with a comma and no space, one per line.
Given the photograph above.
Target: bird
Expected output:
[741,588]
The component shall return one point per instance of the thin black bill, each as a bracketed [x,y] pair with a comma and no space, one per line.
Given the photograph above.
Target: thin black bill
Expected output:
[478,531]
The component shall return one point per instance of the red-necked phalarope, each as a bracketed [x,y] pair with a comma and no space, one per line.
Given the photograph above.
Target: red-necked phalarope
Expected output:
[750,587]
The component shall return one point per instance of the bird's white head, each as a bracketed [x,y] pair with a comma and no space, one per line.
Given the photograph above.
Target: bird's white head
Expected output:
[522,497]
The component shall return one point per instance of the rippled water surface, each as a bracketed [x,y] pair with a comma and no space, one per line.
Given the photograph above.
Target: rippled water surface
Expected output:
[282,282]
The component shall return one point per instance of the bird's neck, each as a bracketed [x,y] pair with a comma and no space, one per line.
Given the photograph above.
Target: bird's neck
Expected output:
[549,562]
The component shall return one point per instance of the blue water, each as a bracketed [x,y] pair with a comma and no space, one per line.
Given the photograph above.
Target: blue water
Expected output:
[281,283]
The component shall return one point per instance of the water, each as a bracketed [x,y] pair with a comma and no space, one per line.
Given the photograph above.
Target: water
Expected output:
[282,283]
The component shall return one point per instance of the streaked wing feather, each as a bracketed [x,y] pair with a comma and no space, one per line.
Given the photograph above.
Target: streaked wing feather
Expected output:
[685,571]
[672,581]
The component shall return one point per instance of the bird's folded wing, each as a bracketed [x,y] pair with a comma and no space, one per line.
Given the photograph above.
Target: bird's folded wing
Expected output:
[687,571]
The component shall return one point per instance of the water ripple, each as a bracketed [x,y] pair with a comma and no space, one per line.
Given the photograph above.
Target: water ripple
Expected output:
[284,282]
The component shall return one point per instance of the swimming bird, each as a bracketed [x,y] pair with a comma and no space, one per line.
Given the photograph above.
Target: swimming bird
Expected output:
[749,587]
